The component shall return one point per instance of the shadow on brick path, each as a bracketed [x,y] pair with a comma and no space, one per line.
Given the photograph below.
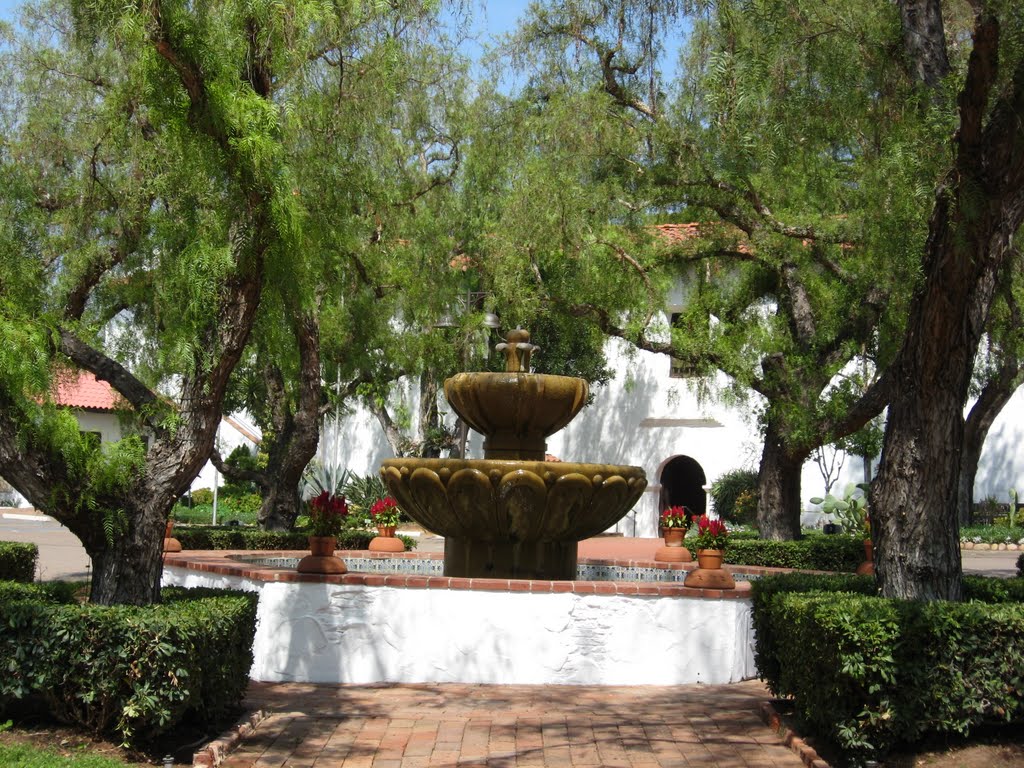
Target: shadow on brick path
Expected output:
[388,726]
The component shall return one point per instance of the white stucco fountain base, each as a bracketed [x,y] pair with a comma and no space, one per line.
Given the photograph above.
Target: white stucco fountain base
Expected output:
[411,627]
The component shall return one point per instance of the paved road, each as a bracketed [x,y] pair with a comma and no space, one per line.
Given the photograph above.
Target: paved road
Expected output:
[61,556]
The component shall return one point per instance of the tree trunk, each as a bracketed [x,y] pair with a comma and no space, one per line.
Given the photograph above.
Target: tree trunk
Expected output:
[430,417]
[978,208]
[778,489]
[128,571]
[990,403]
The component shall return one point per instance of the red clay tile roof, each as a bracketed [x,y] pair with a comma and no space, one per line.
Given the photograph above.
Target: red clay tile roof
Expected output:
[84,390]
[675,234]
[678,233]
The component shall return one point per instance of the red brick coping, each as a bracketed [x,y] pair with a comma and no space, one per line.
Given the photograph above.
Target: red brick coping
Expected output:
[220,562]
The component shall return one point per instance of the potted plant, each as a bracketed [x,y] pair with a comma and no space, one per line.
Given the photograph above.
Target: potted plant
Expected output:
[710,540]
[674,521]
[386,514]
[327,513]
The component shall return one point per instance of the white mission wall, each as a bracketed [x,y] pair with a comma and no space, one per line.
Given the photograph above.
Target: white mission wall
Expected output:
[644,417]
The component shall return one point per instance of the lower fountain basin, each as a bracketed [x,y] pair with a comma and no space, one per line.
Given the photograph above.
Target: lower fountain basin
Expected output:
[414,627]
[513,519]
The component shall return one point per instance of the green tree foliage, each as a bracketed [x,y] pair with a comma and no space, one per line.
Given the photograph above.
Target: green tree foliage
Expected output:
[785,132]
[154,199]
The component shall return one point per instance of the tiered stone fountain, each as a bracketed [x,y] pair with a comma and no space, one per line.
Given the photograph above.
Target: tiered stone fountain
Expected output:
[512,514]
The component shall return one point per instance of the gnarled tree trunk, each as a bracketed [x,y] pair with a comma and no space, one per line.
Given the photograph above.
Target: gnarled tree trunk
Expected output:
[977,210]
[778,487]
[993,398]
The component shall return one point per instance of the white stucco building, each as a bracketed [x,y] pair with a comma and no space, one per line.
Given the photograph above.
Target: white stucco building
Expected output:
[647,417]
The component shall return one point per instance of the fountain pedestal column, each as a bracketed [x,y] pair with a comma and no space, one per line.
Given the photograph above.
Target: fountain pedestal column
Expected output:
[542,560]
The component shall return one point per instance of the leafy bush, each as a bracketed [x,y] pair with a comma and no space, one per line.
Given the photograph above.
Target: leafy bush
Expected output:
[134,672]
[244,509]
[992,534]
[726,490]
[984,512]
[362,491]
[202,496]
[767,651]
[242,458]
[817,553]
[872,672]
[249,538]
[42,591]
[18,561]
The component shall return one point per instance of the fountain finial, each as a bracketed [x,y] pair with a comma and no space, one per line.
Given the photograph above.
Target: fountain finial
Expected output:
[517,349]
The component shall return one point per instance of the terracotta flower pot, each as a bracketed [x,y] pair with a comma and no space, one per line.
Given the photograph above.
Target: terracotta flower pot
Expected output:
[321,558]
[386,541]
[710,559]
[673,551]
[867,568]
[674,536]
[171,544]
[709,573]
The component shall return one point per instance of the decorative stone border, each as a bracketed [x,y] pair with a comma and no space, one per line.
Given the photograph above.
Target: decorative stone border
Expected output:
[807,754]
[985,546]
[221,562]
[215,752]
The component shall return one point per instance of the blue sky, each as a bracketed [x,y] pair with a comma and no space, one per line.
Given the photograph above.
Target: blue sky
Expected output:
[495,17]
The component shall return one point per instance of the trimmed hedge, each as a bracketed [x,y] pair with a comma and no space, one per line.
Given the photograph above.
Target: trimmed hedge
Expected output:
[992,534]
[251,538]
[18,561]
[816,553]
[130,671]
[872,672]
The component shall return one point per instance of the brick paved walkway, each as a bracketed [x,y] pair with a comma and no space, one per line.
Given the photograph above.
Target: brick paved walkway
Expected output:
[503,726]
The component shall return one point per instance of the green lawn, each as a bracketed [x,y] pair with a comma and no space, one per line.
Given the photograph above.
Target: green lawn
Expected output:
[25,756]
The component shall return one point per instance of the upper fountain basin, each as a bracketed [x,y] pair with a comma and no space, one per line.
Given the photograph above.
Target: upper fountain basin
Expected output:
[515,410]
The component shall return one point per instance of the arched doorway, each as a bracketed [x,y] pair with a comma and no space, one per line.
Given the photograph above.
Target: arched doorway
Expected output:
[682,484]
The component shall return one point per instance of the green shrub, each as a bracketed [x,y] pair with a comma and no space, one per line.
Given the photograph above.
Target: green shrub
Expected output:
[992,534]
[872,672]
[42,591]
[229,537]
[244,509]
[202,496]
[233,537]
[764,591]
[726,490]
[818,553]
[18,561]
[130,671]
[241,458]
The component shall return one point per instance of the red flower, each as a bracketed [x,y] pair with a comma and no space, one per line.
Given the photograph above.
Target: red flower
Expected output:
[675,517]
[711,534]
[385,511]
[326,513]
